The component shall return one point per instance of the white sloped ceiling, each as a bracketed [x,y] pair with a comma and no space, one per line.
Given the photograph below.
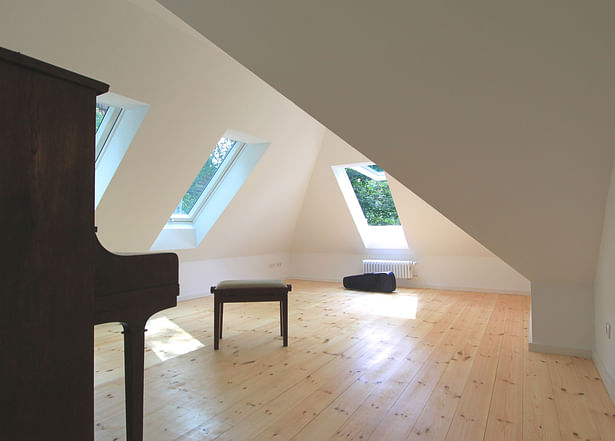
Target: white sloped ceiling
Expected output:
[497,114]
[195,93]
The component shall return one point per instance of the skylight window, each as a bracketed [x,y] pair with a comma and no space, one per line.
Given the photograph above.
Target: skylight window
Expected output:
[204,184]
[101,111]
[372,192]
[226,169]
[369,199]
[117,120]
[106,118]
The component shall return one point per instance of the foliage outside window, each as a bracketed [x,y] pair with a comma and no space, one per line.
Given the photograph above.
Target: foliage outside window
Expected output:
[374,197]
[203,180]
[101,111]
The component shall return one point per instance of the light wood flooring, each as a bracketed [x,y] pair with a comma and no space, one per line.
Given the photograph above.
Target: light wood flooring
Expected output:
[415,365]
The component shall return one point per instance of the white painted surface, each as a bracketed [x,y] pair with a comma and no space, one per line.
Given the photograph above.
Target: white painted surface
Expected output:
[499,115]
[559,350]
[604,296]
[471,273]
[607,377]
[196,93]
[171,237]
[563,315]
[176,237]
[508,133]
[328,267]
[196,277]
[326,225]
[463,273]
[121,137]
[328,246]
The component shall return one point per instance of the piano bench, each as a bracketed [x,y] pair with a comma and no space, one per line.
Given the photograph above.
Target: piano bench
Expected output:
[236,291]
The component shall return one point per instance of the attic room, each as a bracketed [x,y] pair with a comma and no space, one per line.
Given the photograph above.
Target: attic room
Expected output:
[493,125]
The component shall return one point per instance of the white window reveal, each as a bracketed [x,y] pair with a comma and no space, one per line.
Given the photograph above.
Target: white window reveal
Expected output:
[224,172]
[117,120]
[367,194]
[219,162]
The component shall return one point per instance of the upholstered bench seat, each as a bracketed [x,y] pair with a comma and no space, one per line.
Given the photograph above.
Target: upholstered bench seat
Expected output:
[235,291]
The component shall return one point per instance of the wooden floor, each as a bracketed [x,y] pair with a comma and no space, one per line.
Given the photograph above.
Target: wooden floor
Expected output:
[415,365]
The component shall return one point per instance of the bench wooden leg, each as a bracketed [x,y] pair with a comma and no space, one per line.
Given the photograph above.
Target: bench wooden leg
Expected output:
[221,320]
[217,310]
[249,294]
[285,321]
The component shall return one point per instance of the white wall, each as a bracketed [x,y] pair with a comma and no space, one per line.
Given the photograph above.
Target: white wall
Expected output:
[469,273]
[499,115]
[551,301]
[327,245]
[604,297]
[196,277]
[464,273]
[195,93]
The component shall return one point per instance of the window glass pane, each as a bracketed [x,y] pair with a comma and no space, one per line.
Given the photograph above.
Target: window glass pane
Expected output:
[374,198]
[209,170]
[101,111]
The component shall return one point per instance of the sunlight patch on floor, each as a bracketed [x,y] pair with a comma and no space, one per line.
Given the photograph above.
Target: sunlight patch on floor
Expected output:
[391,305]
[167,340]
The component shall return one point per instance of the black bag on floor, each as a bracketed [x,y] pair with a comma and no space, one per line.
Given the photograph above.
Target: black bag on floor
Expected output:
[380,282]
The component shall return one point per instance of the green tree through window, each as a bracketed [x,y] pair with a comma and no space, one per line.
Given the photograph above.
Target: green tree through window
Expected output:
[101,111]
[374,197]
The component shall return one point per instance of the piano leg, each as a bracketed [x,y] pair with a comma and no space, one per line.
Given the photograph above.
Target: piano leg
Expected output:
[134,343]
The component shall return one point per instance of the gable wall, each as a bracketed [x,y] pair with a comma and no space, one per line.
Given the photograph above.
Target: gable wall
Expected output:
[327,245]
[497,114]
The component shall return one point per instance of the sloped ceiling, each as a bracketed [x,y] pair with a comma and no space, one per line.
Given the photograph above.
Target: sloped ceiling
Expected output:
[325,223]
[498,114]
[196,93]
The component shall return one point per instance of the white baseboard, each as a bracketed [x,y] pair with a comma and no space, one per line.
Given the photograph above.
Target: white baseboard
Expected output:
[401,283]
[198,294]
[560,350]
[315,279]
[192,296]
[607,379]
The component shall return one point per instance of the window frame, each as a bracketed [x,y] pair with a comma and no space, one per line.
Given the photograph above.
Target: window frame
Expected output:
[105,130]
[378,176]
[211,187]
[189,235]
[366,170]
[374,237]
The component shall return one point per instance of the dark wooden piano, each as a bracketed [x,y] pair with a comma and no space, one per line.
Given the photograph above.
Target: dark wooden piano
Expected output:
[56,279]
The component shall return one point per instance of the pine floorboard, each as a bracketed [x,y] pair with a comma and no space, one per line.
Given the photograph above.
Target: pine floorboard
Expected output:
[415,365]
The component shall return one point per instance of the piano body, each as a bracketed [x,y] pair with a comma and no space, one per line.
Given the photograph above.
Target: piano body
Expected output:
[56,280]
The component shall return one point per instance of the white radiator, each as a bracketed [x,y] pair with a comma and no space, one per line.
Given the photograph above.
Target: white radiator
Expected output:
[403,269]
